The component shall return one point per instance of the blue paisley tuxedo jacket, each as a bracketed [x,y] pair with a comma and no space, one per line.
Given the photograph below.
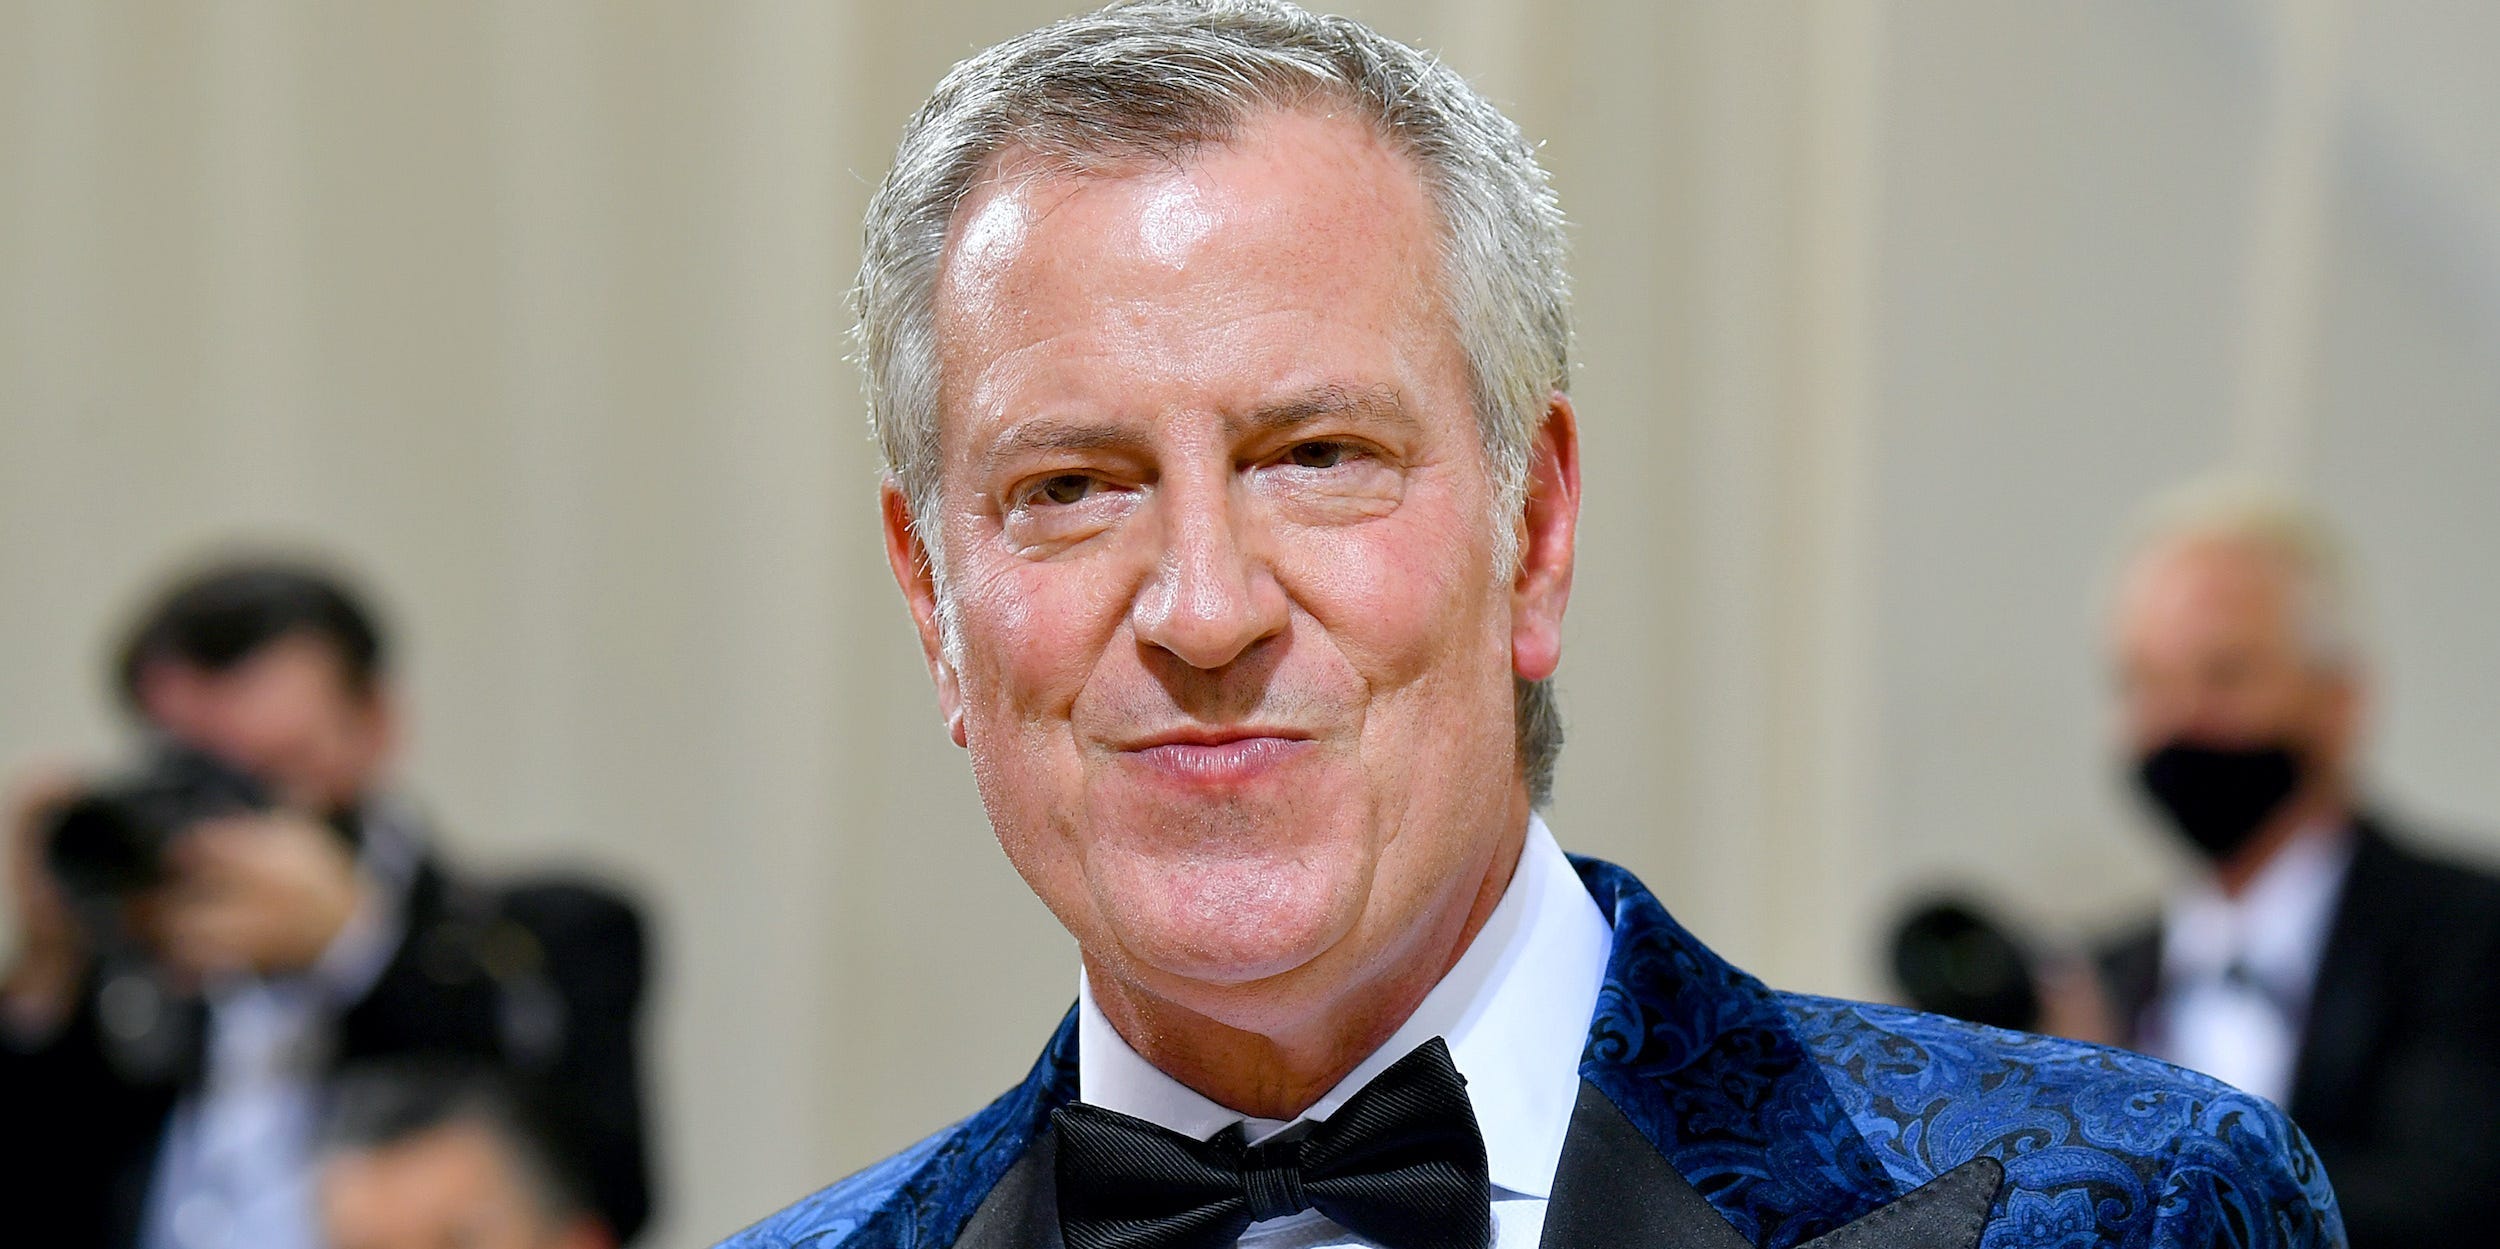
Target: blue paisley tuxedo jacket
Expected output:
[1718,1114]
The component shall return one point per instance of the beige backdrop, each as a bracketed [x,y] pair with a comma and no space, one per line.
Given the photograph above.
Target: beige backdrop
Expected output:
[1889,313]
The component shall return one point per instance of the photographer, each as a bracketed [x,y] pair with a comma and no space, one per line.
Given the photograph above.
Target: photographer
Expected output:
[205,939]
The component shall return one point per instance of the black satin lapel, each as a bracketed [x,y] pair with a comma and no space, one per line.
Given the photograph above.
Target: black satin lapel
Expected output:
[1022,1211]
[2344,1007]
[1947,1212]
[1613,1188]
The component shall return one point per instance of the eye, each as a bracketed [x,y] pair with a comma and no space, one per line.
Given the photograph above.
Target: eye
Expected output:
[1319,454]
[1062,490]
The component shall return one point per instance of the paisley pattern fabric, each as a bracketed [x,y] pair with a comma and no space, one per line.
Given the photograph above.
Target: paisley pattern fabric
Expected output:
[1795,1114]
[1791,1115]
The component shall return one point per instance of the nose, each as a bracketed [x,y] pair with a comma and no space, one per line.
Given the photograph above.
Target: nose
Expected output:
[1212,596]
[2185,712]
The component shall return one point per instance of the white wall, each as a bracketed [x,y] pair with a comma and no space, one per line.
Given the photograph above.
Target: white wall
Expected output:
[1889,313]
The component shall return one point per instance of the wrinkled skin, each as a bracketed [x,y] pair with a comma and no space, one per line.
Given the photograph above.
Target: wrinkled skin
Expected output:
[1234,650]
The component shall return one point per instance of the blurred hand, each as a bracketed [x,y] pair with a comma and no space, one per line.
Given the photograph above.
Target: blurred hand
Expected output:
[2075,1004]
[42,985]
[258,893]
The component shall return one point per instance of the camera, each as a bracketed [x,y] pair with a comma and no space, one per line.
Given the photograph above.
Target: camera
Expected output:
[1950,958]
[110,842]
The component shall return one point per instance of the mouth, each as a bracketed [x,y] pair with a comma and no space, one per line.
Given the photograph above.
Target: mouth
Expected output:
[1218,757]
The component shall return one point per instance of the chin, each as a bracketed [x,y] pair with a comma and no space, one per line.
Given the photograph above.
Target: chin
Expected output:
[1220,920]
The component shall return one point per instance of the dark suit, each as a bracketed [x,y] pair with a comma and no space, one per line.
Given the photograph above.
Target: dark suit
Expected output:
[1715,1113]
[2397,1079]
[543,980]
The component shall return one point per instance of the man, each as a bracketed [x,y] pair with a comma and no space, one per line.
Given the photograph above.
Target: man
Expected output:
[2320,961]
[1218,351]
[435,1158]
[165,1042]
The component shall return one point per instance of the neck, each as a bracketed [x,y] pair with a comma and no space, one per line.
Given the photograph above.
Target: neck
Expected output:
[2328,804]
[1278,1069]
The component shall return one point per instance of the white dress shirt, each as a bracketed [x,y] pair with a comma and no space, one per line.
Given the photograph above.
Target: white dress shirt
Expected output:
[2237,973]
[1515,1012]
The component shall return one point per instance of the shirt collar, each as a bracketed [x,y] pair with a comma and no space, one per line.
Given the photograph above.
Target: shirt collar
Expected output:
[2275,928]
[1514,1011]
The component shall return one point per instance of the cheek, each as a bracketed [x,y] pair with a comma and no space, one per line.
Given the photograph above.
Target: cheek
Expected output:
[1029,636]
[267,729]
[1402,602]
[1034,636]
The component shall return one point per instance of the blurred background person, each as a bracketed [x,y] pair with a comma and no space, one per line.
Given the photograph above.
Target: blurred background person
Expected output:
[2320,957]
[207,936]
[426,1156]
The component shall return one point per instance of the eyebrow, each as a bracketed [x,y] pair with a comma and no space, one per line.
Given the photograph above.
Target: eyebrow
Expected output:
[1376,403]
[1041,437]
[1046,436]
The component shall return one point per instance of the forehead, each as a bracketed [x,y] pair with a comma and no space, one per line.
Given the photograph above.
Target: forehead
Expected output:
[444,1172]
[1328,171]
[1297,211]
[300,661]
[2204,586]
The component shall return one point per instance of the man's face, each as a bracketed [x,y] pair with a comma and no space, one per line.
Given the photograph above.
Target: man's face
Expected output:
[452,1187]
[285,712]
[1235,656]
[2210,653]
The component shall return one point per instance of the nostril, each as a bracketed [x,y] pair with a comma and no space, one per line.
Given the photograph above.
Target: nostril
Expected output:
[1207,604]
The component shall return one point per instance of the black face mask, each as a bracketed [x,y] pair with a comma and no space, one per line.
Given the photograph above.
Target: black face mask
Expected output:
[2218,797]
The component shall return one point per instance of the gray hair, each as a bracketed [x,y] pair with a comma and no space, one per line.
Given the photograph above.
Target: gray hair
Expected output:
[1157,79]
[2258,516]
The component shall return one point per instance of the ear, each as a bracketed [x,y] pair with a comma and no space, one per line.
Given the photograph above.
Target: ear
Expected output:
[918,579]
[1549,525]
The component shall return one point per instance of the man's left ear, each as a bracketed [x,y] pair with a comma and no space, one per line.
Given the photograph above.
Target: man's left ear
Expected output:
[916,574]
[1549,524]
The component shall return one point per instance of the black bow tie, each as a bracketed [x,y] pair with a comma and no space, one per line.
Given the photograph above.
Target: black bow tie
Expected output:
[1401,1164]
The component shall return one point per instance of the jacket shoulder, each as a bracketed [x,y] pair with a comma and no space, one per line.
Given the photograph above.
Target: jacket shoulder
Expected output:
[592,912]
[2452,889]
[832,1215]
[2100,1146]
